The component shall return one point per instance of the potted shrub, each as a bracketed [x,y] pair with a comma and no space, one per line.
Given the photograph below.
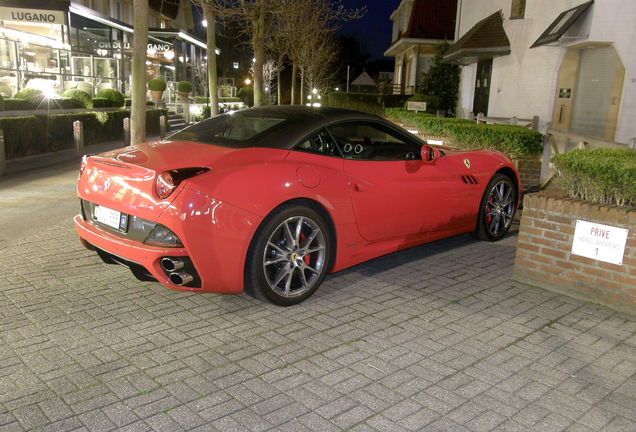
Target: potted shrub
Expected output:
[184,88]
[157,87]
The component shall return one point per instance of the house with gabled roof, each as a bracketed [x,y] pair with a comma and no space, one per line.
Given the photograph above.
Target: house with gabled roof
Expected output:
[570,62]
[418,26]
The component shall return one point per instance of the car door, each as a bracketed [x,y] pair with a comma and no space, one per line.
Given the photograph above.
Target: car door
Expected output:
[393,192]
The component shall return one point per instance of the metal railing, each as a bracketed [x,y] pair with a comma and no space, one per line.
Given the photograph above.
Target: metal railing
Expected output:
[531,123]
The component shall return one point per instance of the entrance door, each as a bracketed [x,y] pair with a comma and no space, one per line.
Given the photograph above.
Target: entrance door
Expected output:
[593,93]
[482,87]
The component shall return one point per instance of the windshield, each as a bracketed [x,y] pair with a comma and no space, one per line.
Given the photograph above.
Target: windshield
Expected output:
[232,130]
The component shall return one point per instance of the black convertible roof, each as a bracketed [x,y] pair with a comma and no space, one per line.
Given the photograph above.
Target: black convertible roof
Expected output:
[297,122]
[303,120]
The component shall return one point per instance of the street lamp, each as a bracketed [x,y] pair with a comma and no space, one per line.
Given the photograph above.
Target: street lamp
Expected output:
[248,81]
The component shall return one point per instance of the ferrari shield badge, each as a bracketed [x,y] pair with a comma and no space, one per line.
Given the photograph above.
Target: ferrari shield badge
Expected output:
[467,163]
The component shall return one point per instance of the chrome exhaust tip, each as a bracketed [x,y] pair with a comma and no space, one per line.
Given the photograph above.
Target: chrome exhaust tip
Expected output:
[169,264]
[181,278]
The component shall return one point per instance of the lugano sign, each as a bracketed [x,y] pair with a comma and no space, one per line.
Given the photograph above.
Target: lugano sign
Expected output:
[31,15]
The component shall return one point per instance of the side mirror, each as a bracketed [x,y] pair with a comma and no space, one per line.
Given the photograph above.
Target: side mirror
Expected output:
[429,154]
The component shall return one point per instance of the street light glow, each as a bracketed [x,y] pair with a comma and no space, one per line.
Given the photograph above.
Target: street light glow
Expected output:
[248,81]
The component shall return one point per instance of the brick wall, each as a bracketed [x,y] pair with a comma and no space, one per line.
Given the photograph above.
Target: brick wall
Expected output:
[545,241]
[530,173]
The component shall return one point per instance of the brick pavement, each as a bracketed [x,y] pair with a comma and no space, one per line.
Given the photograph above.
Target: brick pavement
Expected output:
[436,338]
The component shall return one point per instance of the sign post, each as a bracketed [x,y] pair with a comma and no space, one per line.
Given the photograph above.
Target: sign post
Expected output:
[162,126]
[78,136]
[126,132]
[3,162]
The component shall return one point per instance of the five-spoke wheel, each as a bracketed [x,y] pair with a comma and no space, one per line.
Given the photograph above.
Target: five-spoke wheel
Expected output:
[289,256]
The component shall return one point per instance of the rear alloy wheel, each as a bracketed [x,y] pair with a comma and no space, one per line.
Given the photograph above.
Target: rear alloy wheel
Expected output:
[497,209]
[289,257]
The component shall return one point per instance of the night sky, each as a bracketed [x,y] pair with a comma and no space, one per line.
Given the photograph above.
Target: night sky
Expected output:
[373,31]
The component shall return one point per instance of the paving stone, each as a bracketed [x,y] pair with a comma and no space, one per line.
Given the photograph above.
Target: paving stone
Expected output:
[434,338]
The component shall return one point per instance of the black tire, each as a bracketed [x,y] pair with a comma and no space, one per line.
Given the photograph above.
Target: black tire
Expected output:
[497,209]
[283,264]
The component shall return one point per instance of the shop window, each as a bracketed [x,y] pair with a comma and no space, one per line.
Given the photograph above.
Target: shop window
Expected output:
[518,9]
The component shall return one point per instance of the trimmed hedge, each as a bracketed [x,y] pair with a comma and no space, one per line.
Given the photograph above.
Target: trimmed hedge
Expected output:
[80,96]
[128,102]
[114,98]
[101,103]
[604,176]
[41,133]
[517,142]
[372,103]
[18,105]
[65,103]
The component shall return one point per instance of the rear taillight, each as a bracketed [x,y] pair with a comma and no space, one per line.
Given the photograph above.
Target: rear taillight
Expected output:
[168,181]
[165,184]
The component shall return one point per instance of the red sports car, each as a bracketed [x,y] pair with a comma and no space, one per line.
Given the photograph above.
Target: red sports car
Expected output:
[268,200]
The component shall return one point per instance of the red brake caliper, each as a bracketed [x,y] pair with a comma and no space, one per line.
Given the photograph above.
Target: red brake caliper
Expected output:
[306,258]
[488,210]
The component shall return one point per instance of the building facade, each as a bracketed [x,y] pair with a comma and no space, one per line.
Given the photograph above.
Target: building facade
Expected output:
[418,26]
[59,44]
[571,62]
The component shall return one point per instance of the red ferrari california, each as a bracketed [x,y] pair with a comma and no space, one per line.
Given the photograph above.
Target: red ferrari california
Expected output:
[268,200]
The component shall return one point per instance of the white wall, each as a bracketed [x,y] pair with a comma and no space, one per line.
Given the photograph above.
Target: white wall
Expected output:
[523,83]
[615,21]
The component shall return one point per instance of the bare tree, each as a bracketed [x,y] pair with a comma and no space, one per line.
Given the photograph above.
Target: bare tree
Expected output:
[270,71]
[317,19]
[138,92]
[319,69]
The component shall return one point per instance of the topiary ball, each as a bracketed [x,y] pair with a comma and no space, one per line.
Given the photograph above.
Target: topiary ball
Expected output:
[157,84]
[184,87]
[31,95]
[81,96]
[114,98]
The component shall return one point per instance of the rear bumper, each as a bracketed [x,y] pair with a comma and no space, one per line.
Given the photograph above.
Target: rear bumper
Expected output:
[135,255]
[216,237]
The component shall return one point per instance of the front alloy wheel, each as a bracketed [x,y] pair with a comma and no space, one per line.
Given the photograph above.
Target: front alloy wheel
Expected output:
[290,255]
[497,209]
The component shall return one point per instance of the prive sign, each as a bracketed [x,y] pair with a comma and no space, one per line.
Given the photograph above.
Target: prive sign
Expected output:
[600,242]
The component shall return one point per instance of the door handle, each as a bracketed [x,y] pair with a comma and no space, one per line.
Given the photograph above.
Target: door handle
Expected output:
[356,187]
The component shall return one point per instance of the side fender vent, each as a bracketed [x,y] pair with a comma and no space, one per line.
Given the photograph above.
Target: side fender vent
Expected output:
[468,179]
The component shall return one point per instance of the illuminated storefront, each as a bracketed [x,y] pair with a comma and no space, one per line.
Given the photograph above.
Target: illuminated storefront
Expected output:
[55,45]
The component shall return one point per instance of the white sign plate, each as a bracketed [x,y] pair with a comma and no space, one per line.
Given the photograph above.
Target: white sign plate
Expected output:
[416,106]
[600,242]
[32,15]
[107,216]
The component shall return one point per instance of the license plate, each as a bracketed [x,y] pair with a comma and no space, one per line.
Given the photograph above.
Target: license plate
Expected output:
[110,217]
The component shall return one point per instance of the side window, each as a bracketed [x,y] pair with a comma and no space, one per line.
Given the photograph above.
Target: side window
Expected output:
[319,143]
[518,9]
[371,141]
